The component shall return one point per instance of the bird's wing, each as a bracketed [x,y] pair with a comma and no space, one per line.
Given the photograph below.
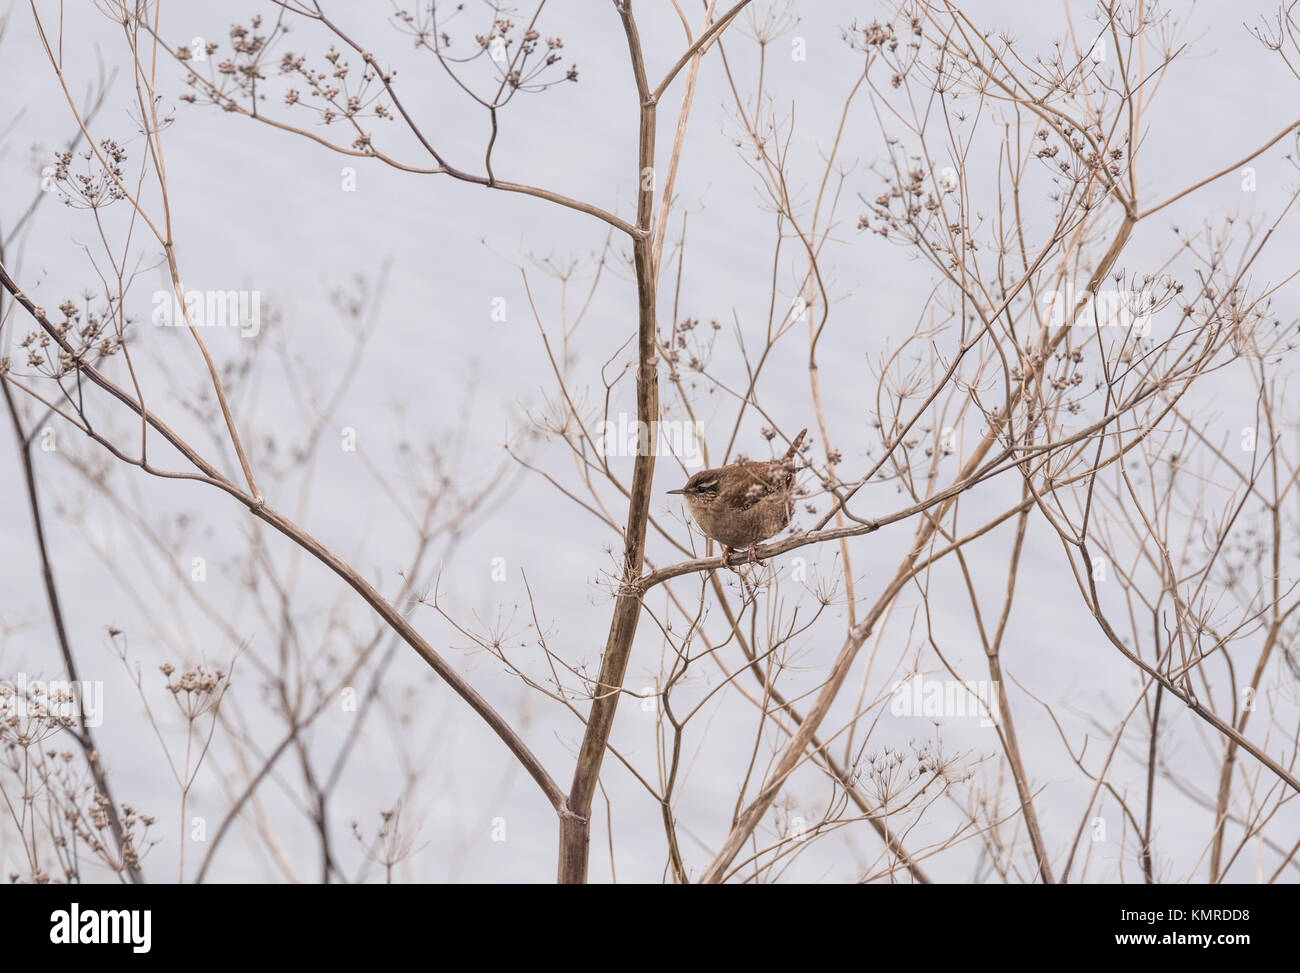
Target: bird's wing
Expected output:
[758,480]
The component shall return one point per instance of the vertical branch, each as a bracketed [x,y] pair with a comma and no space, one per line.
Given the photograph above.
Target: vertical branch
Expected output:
[1006,725]
[1147,872]
[82,733]
[1228,768]
[575,820]
[84,737]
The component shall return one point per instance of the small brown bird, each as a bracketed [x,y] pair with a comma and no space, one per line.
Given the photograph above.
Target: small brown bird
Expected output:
[744,503]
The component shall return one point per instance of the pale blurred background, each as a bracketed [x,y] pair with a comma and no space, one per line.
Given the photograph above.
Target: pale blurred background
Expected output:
[258,209]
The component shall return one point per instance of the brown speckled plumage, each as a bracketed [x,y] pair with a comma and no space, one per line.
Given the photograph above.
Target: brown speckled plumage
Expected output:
[744,503]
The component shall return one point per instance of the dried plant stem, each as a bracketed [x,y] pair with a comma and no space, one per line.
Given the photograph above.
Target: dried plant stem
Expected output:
[575,825]
[83,735]
[792,752]
[261,510]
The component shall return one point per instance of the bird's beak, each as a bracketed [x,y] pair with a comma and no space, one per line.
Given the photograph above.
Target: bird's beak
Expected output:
[676,491]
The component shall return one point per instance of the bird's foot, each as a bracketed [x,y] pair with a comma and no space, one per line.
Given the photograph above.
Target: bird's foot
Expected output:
[753,554]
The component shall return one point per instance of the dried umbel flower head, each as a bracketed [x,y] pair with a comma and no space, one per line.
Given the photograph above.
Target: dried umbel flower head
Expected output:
[519,55]
[31,713]
[102,180]
[196,690]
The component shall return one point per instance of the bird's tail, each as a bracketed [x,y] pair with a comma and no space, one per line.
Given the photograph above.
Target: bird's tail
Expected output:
[794,446]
